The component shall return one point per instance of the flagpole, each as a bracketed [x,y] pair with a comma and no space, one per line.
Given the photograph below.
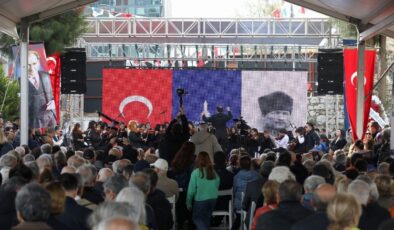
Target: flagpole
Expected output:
[360,89]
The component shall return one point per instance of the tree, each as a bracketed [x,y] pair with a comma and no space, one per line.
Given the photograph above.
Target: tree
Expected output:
[9,94]
[57,32]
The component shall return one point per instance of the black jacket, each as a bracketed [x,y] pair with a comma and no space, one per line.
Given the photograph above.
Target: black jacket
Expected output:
[338,144]
[311,139]
[373,215]
[219,121]
[74,216]
[92,195]
[173,142]
[7,209]
[162,209]
[317,221]
[284,217]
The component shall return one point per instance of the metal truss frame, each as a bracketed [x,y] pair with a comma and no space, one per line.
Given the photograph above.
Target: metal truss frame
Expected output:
[176,30]
[206,52]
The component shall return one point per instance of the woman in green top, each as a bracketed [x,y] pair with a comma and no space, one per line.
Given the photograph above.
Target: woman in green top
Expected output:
[203,189]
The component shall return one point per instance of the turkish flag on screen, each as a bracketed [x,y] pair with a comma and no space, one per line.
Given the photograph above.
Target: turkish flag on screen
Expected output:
[350,65]
[137,94]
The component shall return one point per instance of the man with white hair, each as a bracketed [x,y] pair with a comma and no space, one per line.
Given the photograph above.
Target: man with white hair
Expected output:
[103,175]
[280,174]
[117,223]
[88,179]
[168,186]
[372,215]
[7,162]
[310,184]
[205,141]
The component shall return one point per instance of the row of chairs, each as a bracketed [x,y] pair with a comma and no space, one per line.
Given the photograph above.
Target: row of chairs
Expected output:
[228,214]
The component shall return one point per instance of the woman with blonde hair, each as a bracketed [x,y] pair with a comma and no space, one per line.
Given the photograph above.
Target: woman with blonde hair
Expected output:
[344,212]
[58,202]
[269,191]
[134,134]
[203,189]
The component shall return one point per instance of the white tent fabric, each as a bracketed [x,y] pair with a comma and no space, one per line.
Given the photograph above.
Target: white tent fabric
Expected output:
[376,15]
[13,12]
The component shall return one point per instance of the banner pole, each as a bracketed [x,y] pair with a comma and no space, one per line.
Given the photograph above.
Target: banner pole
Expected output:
[24,87]
[360,90]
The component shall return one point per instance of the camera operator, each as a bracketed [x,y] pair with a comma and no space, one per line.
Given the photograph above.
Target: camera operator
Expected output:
[176,134]
[219,121]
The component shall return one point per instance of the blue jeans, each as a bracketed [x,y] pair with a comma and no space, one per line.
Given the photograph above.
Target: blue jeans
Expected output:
[202,211]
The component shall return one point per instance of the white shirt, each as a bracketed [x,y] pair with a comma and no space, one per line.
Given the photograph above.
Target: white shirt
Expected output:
[282,143]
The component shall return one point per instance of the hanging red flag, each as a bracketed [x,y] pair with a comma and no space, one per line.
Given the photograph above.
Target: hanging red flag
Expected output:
[350,70]
[53,63]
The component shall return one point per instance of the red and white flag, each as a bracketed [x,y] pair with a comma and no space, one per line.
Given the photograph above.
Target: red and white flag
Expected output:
[350,70]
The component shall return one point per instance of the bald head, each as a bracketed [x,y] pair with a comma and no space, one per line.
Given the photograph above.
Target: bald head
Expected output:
[117,223]
[104,174]
[323,194]
[68,169]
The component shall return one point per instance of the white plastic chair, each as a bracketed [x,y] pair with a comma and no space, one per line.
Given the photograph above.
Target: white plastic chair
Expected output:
[226,213]
[251,214]
[172,201]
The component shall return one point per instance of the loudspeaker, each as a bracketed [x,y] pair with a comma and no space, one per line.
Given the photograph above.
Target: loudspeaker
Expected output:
[330,72]
[73,71]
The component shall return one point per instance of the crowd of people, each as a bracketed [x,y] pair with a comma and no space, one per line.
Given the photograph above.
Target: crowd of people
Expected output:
[133,176]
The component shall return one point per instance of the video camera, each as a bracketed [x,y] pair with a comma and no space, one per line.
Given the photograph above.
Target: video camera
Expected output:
[181,92]
[241,125]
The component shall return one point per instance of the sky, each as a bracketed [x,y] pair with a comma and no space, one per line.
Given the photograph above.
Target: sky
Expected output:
[220,8]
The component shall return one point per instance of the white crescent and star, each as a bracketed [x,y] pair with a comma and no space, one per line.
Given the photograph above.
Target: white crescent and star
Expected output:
[136,98]
[354,75]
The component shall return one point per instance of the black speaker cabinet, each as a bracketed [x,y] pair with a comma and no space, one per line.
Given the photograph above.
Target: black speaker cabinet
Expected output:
[330,72]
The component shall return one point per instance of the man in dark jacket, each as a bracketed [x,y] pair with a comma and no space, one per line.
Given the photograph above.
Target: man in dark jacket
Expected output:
[319,220]
[311,137]
[158,201]
[289,209]
[74,215]
[219,121]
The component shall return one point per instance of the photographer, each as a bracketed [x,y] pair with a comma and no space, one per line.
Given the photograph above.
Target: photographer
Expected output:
[176,134]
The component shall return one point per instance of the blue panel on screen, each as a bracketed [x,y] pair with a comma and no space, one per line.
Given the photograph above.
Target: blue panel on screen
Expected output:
[217,87]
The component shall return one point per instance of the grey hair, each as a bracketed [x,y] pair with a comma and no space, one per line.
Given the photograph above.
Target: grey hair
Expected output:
[44,160]
[115,184]
[8,160]
[383,168]
[340,158]
[112,209]
[373,192]
[142,181]
[104,224]
[34,168]
[119,165]
[28,158]
[360,190]
[86,174]
[280,174]
[21,151]
[46,148]
[33,203]
[312,182]
[309,165]
[134,196]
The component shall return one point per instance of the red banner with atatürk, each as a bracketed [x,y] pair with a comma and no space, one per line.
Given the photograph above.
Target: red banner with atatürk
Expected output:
[350,71]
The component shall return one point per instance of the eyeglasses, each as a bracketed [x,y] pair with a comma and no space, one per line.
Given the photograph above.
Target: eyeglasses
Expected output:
[368,134]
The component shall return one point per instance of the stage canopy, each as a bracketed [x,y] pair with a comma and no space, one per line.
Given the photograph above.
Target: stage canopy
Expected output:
[376,15]
[13,12]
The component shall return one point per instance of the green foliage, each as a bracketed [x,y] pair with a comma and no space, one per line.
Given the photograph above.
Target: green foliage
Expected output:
[346,29]
[12,102]
[57,32]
